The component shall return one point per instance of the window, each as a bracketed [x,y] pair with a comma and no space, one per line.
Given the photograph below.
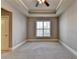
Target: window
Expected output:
[43,28]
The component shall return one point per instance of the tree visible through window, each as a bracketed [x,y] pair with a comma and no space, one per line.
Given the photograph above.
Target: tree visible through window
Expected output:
[43,28]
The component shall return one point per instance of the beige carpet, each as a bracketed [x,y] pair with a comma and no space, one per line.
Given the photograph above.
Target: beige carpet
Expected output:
[39,50]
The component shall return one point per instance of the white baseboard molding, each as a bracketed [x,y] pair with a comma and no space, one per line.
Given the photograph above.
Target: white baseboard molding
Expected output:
[13,48]
[69,48]
[42,40]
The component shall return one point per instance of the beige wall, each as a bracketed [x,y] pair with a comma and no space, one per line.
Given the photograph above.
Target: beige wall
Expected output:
[68,26]
[31,27]
[18,23]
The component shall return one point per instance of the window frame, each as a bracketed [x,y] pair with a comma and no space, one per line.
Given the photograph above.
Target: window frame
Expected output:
[43,29]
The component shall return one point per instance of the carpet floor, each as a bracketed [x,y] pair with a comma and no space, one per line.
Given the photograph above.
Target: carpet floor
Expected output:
[39,50]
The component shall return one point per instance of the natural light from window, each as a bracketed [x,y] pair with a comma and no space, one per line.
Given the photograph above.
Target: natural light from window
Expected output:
[43,28]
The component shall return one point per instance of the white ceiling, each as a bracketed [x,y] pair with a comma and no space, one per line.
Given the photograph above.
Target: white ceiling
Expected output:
[28,8]
[31,4]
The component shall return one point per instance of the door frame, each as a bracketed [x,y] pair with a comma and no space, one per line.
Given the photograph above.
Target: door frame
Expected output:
[6,12]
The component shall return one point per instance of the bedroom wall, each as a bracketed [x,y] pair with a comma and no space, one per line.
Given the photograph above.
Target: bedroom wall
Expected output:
[19,27]
[68,27]
[32,32]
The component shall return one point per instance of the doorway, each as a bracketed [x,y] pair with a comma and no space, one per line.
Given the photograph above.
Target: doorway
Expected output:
[6,30]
